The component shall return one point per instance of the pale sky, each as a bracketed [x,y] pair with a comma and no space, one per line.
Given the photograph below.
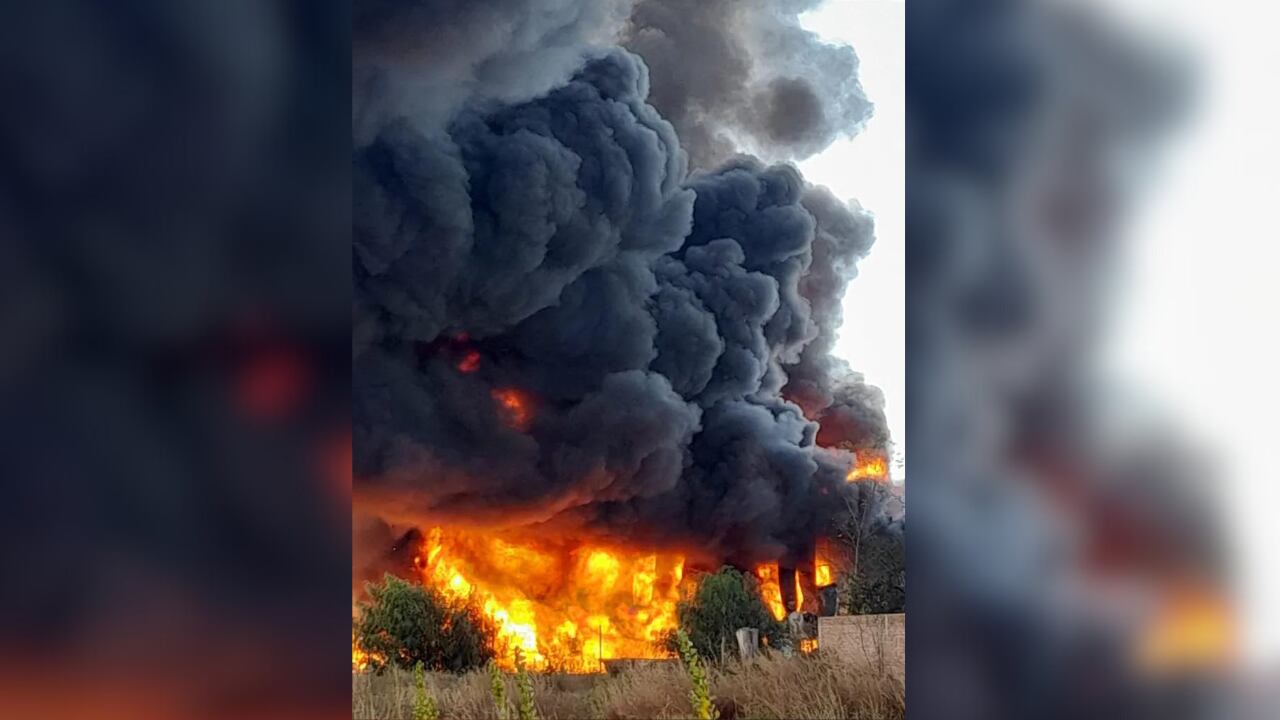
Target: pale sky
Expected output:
[871,169]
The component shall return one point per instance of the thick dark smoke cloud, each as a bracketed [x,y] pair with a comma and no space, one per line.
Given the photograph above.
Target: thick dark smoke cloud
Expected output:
[558,327]
[514,206]
[743,75]
[424,59]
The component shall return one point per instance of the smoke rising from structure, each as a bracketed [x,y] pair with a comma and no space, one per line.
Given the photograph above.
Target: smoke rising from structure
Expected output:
[558,327]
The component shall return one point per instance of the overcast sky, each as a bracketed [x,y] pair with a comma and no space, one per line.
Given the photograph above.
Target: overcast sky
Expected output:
[871,169]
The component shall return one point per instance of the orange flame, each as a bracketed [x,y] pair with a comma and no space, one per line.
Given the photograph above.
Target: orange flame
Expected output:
[360,660]
[514,407]
[565,607]
[1192,629]
[826,560]
[770,580]
[868,465]
[771,589]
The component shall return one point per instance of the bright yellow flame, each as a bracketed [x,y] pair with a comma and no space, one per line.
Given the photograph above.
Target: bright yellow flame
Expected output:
[564,606]
[868,465]
[360,660]
[822,575]
[642,581]
[808,645]
[771,589]
[603,568]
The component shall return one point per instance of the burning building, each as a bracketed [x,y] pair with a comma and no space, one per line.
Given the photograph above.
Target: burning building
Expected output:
[583,373]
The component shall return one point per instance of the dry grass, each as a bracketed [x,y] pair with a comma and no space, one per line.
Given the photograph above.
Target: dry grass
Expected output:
[773,687]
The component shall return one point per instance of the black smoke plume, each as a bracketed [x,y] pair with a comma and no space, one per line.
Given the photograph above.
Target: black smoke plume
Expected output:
[424,59]
[557,327]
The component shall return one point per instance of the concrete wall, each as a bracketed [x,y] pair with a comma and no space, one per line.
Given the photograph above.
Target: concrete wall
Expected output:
[875,640]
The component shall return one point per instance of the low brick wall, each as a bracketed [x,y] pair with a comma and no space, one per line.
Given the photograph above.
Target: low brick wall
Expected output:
[875,640]
[623,665]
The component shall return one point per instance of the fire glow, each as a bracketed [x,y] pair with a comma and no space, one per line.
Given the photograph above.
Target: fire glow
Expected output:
[771,589]
[868,465]
[564,607]
[768,577]
[513,406]
[1193,628]
[360,660]
[822,575]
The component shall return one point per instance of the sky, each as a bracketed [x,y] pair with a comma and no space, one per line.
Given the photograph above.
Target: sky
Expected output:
[870,168]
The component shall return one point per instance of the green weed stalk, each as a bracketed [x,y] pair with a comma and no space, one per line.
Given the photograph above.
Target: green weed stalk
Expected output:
[498,688]
[424,706]
[700,696]
[524,686]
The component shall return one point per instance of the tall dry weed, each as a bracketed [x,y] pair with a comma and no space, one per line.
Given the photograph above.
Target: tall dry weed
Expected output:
[771,687]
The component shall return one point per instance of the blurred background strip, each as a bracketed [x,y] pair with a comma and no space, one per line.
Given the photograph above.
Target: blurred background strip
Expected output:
[175,363]
[1088,391]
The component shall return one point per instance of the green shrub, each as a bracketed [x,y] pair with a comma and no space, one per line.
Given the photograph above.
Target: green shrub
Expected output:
[724,602]
[404,624]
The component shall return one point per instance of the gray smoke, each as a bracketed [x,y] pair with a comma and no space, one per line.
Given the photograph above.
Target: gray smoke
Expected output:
[743,75]
[559,328]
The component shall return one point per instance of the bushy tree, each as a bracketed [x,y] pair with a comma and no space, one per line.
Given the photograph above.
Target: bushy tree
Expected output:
[404,623]
[724,602]
[877,581]
[880,583]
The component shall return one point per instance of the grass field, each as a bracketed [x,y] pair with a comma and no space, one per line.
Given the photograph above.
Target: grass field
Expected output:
[773,687]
